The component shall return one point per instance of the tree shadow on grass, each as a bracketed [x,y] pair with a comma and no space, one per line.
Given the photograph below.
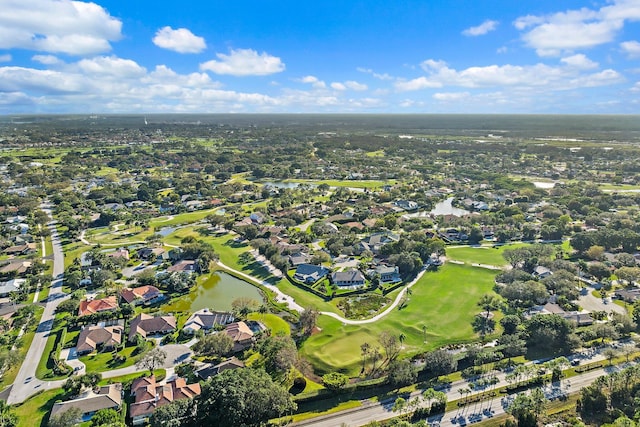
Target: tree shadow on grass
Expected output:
[256,270]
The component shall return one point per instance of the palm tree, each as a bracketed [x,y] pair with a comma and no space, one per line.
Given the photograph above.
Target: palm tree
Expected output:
[263,310]
[364,349]
[401,338]
[424,333]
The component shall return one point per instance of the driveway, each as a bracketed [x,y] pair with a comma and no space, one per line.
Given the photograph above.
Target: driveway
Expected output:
[591,303]
[70,357]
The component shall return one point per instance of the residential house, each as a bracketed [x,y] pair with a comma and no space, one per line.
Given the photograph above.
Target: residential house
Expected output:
[22,249]
[210,370]
[206,320]
[407,205]
[348,279]
[376,241]
[628,295]
[241,334]
[147,325]
[9,286]
[15,267]
[92,338]
[90,402]
[184,266]
[388,274]
[148,394]
[119,253]
[88,307]
[148,253]
[540,272]
[145,295]
[299,258]
[309,273]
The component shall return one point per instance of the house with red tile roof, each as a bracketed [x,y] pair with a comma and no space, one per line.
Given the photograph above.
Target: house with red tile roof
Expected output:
[146,295]
[149,395]
[97,305]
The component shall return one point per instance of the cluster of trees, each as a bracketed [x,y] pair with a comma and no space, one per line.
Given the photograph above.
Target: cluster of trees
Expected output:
[218,403]
[611,397]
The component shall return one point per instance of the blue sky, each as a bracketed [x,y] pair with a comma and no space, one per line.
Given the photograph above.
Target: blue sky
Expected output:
[430,56]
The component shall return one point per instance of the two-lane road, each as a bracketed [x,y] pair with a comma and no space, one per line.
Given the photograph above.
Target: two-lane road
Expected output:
[26,384]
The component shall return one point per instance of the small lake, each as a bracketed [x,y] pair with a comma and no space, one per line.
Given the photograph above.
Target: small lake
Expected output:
[216,293]
[165,231]
[446,208]
[544,184]
[281,184]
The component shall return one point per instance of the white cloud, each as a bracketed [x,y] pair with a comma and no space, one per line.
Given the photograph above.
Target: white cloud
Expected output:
[244,62]
[19,79]
[416,84]
[181,40]
[349,84]
[378,76]
[579,60]
[451,96]
[5,58]
[635,87]
[631,48]
[64,26]
[502,49]
[540,76]
[482,29]
[562,32]
[46,59]
[113,66]
[314,81]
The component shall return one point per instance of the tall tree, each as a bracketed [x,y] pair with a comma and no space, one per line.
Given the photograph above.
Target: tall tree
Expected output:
[152,359]
[261,399]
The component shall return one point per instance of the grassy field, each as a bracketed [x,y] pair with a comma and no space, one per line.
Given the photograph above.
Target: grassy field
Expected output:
[34,412]
[481,254]
[275,324]
[345,183]
[443,301]
[99,362]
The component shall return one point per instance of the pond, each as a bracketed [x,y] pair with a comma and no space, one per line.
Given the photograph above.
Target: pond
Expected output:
[446,208]
[165,231]
[216,293]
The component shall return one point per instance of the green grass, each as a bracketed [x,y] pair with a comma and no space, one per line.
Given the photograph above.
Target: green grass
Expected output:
[34,411]
[10,375]
[345,183]
[99,362]
[159,373]
[445,301]
[275,324]
[481,255]
[44,370]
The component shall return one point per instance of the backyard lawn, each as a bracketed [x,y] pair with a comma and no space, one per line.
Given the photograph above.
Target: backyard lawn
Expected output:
[443,301]
[33,412]
[481,254]
[101,362]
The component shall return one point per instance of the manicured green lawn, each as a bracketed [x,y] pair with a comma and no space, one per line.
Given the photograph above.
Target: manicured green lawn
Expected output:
[99,362]
[275,324]
[345,183]
[159,374]
[445,301]
[34,412]
[481,255]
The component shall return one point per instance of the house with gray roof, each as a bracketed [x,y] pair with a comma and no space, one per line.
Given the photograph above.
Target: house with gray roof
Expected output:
[348,279]
[309,273]
[90,402]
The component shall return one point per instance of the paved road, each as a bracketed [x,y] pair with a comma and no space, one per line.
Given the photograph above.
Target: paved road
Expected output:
[26,383]
[371,411]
